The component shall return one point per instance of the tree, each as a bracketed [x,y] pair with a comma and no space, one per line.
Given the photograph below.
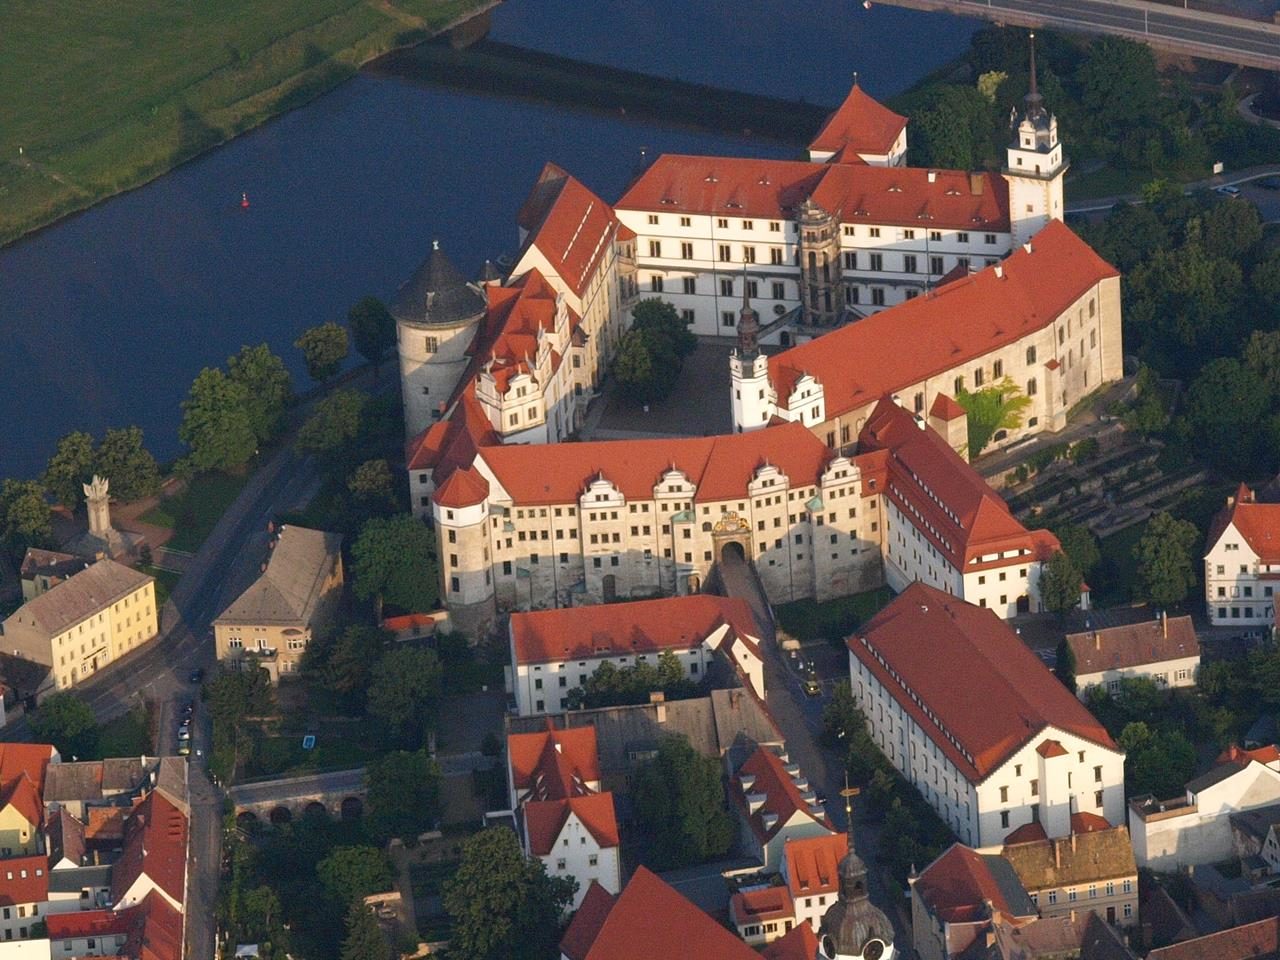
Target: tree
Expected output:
[679,802]
[989,84]
[652,352]
[372,328]
[1000,406]
[1119,85]
[352,873]
[404,794]
[372,483]
[1147,414]
[1158,762]
[1079,543]
[269,387]
[25,518]
[69,468]
[68,723]
[952,126]
[611,686]
[349,662]
[633,367]
[132,470]
[503,904]
[1262,357]
[393,561]
[364,939]
[404,691]
[1059,584]
[1163,558]
[323,347]
[216,424]
[660,317]
[334,423]
[1226,409]
[233,697]
[1064,666]
[1229,228]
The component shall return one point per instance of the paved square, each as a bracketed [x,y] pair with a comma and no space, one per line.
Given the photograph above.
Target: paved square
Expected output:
[698,406]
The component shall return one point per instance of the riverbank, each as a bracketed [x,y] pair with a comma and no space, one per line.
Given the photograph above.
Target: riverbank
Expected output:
[107,99]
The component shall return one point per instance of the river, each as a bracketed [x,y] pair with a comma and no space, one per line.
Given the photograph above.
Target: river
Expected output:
[107,316]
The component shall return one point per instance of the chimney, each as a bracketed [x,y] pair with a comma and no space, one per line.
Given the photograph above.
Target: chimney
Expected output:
[933,176]
[1057,853]
[975,184]
[999,271]
[1097,640]
[1164,623]
[1073,841]
[1027,246]
[659,700]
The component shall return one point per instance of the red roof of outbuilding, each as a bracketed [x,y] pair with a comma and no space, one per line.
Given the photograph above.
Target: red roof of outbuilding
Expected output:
[968,318]
[1264,755]
[649,920]
[24,880]
[760,905]
[812,864]
[1258,523]
[587,921]
[1085,822]
[862,123]
[719,466]
[945,408]
[545,819]
[554,764]
[155,843]
[569,225]
[643,626]
[958,885]
[1027,833]
[89,923]
[986,693]
[799,943]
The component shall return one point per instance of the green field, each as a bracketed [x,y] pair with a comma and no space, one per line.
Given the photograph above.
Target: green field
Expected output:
[129,735]
[194,512]
[832,620]
[101,97]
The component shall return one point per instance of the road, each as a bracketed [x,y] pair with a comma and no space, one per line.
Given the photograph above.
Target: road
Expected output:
[1211,36]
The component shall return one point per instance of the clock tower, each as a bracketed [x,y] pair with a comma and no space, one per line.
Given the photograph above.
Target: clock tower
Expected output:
[1035,165]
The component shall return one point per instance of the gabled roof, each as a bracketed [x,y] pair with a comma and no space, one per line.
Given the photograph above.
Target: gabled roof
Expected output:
[945,408]
[975,689]
[643,626]
[21,794]
[915,197]
[958,886]
[94,779]
[760,905]
[720,467]
[728,186]
[1225,771]
[571,227]
[65,836]
[155,843]
[948,327]
[649,920]
[1069,861]
[155,930]
[464,487]
[291,587]
[812,864]
[24,880]
[50,563]
[554,764]
[1257,523]
[436,294]
[861,123]
[1253,941]
[1134,645]
[768,776]
[32,759]
[545,819]
[452,442]
[587,921]
[89,923]
[799,943]
[80,596]
[1268,756]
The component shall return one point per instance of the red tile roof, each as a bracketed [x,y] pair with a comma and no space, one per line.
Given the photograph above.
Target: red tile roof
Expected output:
[968,318]
[957,886]
[21,794]
[1085,822]
[453,441]
[554,764]
[720,467]
[782,798]
[812,864]
[862,123]
[156,932]
[1266,756]
[1027,833]
[570,226]
[923,470]
[729,186]
[155,843]
[915,197]
[587,921]
[1258,523]
[945,408]
[89,923]
[545,819]
[1134,644]
[1051,748]
[464,487]
[24,880]
[987,694]
[33,759]
[649,920]
[1253,941]
[644,626]
[757,906]
[800,943]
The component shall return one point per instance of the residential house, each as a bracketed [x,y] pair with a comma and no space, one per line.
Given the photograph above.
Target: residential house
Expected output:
[955,900]
[1164,650]
[553,652]
[83,623]
[1195,829]
[1253,941]
[23,769]
[154,856]
[1242,562]
[1251,839]
[24,895]
[42,569]
[149,930]
[1091,870]
[810,867]
[973,719]
[296,595]
[762,913]
[774,803]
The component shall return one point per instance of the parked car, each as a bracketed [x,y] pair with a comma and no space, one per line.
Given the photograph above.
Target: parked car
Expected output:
[197,675]
[1228,190]
[812,685]
[184,733]
[187,710]
[184,748]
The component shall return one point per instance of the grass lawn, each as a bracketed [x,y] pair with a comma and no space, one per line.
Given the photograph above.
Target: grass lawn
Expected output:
[833,620]
[127,736]
[166,580]
[338,747]
[194,512]
[103,97]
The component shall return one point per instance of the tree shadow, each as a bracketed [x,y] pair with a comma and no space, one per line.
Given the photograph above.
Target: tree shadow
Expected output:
[194,135]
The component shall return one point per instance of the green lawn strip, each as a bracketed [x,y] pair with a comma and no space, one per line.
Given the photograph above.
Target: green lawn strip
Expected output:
[194,512]
[337,747]
[129,735]
[832,620]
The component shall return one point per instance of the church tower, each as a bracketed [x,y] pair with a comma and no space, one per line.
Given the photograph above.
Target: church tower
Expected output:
[1035,165]
[821,291]
[853,928]
[437,313]
[749,371]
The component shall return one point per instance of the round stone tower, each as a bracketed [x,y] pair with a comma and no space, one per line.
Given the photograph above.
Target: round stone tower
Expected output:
[437,313]
[820,286]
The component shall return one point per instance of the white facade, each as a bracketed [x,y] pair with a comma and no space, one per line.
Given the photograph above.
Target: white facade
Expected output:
[1240,582]
[1035,168]
[1196,829]
[1167,673]
[545,687]
[432,361]
[576,853]
[30,950]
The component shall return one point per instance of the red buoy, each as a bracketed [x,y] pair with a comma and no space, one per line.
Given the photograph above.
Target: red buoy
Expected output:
[244,201]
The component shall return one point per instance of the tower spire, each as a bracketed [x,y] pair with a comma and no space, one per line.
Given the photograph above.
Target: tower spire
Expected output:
[1032,38]
[748,323]
[1034,103]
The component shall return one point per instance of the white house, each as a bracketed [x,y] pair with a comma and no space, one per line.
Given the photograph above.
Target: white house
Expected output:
[972,718]
[1196,829]
[775,804]
[553,652]
[575,837]
[1164,650]
[810,866]
[24,895]
[1242,562]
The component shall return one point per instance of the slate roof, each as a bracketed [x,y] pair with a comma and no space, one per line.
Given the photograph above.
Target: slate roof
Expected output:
[78,597]
[50,563]
[88,780]
[75,879]
[436,294]
[291,587]
[1134,645]
[65,836]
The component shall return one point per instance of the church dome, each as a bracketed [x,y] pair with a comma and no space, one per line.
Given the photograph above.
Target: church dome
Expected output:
[853,928]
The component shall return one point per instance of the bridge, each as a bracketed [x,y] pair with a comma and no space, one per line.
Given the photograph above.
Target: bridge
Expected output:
[1197,33]
[340,794]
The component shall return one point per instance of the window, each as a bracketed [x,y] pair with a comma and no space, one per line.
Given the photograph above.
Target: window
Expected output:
[989,239]
[727,318]
[850,260]
[653,219]
[1128,910]
[689,284]
[1071,895]
[725,253]
[726,287]
[977,377]
[1127,886]
[1035,788]
[753,289]
[686,222]
[686,316]
[655,283]
[655,248]
[775,255]
[1031,387]
[1031,355]
[877,261]
[997,370]
[593,860]
[1004,819]
[962,237]
[1053,896]
[936,265]
[432,344]
[877,296]
[455,585]
[1004,794]
[1097,774]
[957,385]
[779,290]
[873,232]
[909,263]
[686,250]
[748,254]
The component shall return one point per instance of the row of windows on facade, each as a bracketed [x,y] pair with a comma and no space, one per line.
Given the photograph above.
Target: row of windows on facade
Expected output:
[582,677]
[1247,614]
[1245,591]
[1073,894]
[848,230]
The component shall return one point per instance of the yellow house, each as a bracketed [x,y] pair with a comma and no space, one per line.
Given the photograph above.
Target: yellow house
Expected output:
[275,618]
[20,818]
[78,626]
